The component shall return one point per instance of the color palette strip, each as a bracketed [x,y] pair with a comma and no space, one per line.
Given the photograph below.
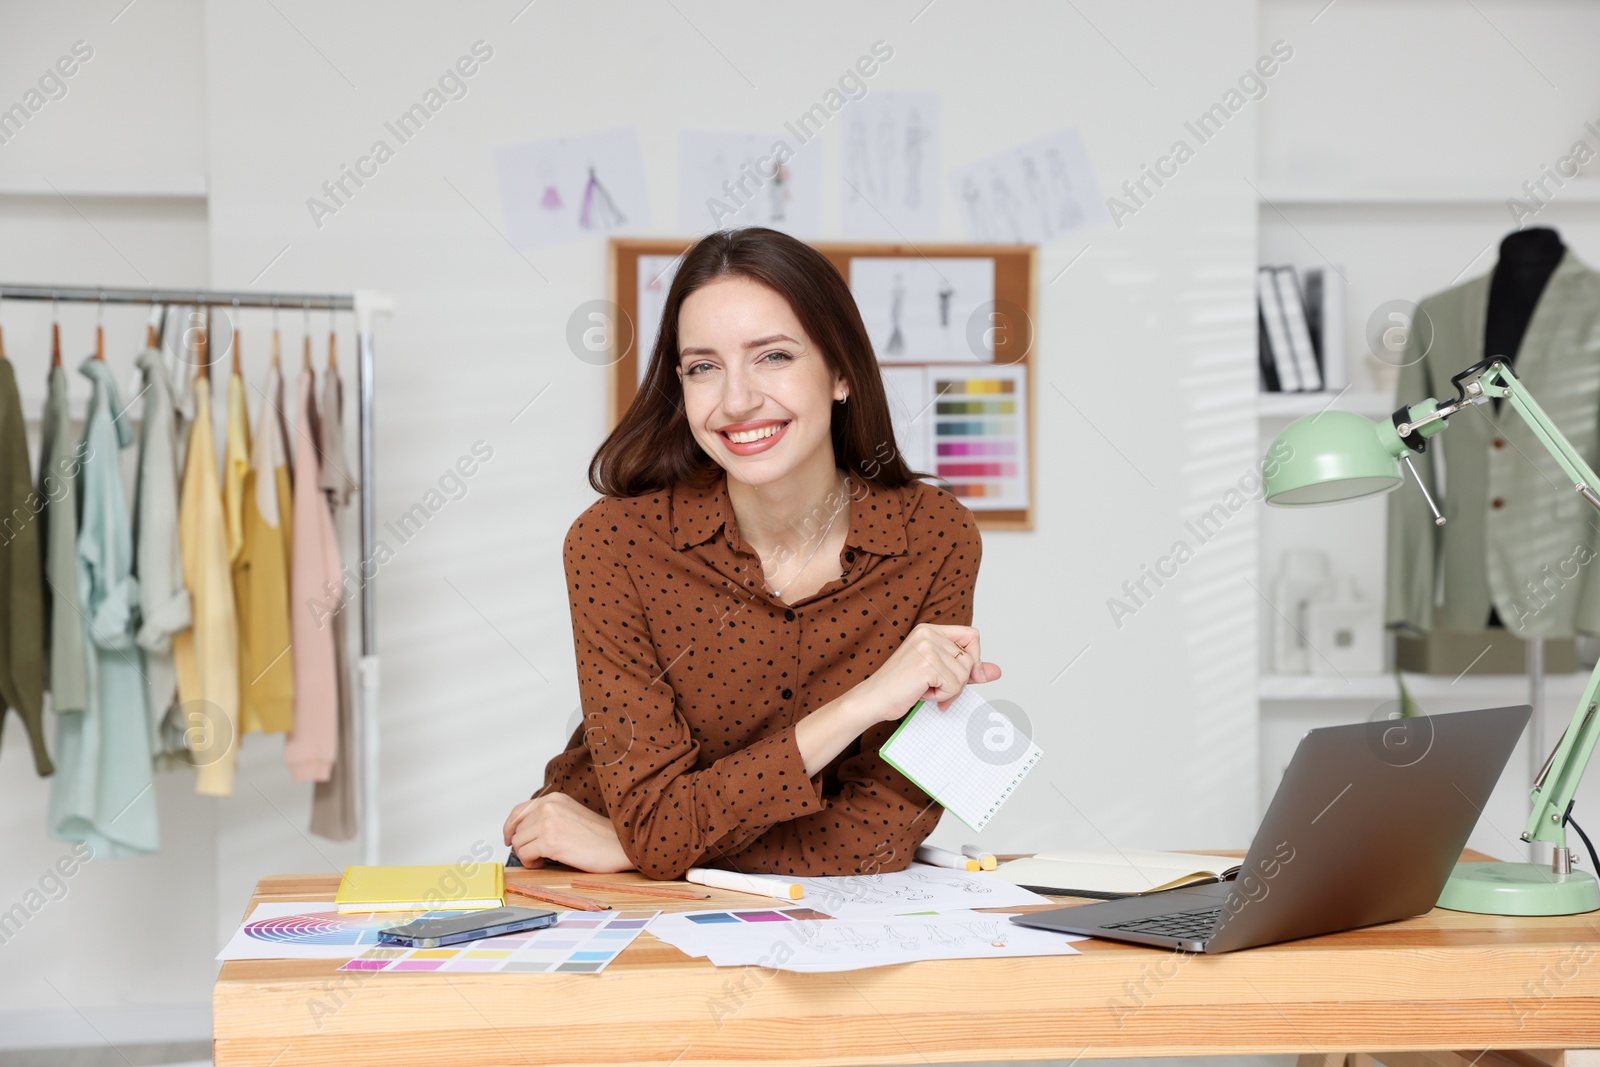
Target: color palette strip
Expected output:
[580,942]
[980,434]
[758,915]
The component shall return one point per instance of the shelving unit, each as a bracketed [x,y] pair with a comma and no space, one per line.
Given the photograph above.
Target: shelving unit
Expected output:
[159,185]
[1487,689]
[1293,405]
[1442,194]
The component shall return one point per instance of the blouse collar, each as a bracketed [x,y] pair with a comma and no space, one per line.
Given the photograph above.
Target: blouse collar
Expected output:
[877,516]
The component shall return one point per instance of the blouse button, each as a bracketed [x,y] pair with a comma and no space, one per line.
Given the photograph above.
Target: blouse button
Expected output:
[788,615]
[788,694]
[849,557]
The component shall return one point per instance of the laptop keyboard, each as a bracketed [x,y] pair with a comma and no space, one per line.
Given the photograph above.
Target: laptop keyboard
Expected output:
[1188,925]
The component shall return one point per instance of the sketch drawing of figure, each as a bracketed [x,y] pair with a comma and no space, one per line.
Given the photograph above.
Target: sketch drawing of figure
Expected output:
[858,168]
[916,134]
[598,202]
[551,200]
[907,937]
[1038,201]
[946,292]
[951,881]
[987,931]
[897,298]
[972,199]
[1005,205]
[886,160]
[778,192]
[1069,213]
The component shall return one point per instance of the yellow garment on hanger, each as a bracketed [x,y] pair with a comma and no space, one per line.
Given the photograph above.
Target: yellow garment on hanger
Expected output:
[261,568]
[207,654]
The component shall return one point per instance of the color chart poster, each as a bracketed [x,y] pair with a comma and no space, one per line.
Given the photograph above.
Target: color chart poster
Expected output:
[980,433]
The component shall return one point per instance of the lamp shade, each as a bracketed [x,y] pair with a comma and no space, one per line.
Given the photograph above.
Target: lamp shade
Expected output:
[1331,457]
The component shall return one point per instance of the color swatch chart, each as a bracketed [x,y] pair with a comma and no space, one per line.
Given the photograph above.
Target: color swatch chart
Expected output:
[581,942]
[980,435]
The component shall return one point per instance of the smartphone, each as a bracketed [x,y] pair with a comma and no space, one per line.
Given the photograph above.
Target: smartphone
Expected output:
[431,933]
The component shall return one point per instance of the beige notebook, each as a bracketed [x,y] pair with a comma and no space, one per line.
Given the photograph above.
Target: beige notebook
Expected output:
[1110,873]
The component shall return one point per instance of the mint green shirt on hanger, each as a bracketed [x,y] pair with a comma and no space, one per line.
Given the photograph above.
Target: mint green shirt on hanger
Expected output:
[1517,536]
[66,657]
[103,791]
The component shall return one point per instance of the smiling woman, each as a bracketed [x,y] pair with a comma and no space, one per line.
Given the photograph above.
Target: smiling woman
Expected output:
[762,591]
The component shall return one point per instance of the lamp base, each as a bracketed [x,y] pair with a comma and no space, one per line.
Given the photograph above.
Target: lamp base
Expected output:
[1519,889]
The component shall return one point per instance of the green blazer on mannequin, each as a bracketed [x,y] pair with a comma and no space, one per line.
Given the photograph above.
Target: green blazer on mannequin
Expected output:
[1517,536]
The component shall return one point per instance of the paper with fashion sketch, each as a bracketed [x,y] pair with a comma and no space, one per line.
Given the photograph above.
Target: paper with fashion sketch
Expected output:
[730,180]
[1030,194]
[910,413]
[655,278]
[921,887]
[890,182]
[569,187]
[781,942]
[926,310]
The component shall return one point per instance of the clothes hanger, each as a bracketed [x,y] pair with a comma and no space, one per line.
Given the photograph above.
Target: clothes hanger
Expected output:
[236,336]
[2,344]
[202,369]
[100,329]
[152,336]
[55,334]
[333,362]
[307,332]
[275,363]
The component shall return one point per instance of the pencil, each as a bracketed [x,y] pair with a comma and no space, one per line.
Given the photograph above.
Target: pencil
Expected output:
[671,891]
[555,896]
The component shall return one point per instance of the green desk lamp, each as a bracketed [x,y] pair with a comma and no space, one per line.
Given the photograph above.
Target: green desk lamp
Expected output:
[1336,456]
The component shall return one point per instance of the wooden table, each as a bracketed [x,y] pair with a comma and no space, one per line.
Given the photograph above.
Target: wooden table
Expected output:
[1434,991]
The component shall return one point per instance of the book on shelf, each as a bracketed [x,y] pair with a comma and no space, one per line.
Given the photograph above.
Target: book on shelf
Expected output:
[1277,358]
[1301,346]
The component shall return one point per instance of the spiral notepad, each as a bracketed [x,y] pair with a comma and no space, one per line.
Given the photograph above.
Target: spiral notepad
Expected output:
[969,757]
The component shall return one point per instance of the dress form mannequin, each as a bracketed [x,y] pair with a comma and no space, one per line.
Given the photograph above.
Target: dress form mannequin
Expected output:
[1527,259]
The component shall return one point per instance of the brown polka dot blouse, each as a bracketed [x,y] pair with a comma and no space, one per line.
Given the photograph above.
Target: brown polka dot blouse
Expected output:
[692,677]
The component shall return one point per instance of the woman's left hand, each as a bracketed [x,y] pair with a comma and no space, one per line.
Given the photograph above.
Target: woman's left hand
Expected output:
[556,827]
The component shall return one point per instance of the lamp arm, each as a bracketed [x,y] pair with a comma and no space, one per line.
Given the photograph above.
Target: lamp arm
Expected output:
[1552,792]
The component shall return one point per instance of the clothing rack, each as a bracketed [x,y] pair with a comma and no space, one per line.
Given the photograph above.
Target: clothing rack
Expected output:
[365,305]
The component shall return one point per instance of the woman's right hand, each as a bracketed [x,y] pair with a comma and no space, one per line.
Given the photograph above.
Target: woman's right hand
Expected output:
[933,663]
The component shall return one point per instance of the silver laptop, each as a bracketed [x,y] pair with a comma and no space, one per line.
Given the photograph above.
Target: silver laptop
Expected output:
[1365,828]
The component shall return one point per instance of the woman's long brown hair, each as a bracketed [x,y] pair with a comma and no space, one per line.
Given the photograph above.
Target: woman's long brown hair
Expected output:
[652,447]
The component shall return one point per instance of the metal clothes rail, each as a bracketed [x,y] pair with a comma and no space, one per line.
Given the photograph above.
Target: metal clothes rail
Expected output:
[365,305]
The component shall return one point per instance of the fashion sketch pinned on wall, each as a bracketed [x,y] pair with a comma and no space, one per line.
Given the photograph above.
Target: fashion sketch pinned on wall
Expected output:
[748,179]
[911,413]
[572,187]
[925,309]
[1030,194]
[890,183]
[655,278]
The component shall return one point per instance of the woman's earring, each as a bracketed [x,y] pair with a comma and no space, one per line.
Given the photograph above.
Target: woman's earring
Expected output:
[842,399]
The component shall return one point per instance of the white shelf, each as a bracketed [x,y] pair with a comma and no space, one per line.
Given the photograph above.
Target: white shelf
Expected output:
[168,185]
[1487,688]
[1293,405]
[1575,191]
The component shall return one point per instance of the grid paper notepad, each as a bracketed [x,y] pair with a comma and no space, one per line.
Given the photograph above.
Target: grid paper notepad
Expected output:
[969,757]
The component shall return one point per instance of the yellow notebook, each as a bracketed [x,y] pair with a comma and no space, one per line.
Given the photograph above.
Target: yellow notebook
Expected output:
[440,886]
